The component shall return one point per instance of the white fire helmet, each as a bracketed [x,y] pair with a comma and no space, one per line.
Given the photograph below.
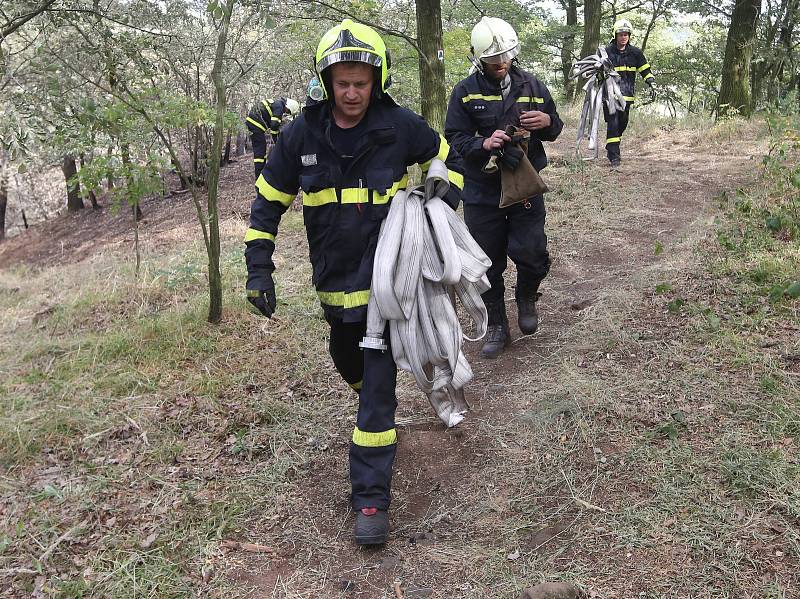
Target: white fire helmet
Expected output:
[494,41]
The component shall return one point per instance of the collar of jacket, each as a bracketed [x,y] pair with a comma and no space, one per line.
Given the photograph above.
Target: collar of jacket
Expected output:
[492,85]
[612,48]
[378,129]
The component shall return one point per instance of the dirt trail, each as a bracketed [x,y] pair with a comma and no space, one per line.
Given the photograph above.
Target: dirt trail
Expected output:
[452,500]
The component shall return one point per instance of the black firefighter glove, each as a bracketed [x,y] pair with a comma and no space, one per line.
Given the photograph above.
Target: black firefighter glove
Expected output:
[512,156]
[652,91]
[263,299]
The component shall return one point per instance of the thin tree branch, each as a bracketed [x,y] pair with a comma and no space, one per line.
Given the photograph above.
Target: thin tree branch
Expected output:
[18,22]
[411,41]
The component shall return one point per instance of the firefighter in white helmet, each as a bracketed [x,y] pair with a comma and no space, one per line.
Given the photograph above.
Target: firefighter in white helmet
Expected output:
[628,61]
[499,94]
[267,117]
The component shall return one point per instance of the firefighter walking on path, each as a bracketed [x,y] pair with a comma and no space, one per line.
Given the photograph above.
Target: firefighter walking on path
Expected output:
[496,95]
[628,61]
[266,117]
[349,154]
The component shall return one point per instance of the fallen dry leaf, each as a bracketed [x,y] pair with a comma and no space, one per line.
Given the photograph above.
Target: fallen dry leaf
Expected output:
[249,547]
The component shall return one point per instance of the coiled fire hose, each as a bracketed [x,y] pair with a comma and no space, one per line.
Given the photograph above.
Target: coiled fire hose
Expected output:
[426,256]
[602,85]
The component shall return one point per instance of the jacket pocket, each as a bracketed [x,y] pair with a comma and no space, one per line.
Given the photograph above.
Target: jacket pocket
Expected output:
[379,181]
[317,189]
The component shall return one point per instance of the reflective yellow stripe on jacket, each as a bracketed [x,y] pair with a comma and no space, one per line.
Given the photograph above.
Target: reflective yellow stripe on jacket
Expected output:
[469,97]
[454,177]
[352,195]
[531,99]
[269,193]
[257,124]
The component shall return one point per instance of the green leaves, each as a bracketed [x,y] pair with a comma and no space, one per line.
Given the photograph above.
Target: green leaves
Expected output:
[675,305]
[216,9]
[774,222]
[662,288]
[786,290]
[658,249]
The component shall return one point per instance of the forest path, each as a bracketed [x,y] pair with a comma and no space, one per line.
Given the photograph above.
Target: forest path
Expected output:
[523,490]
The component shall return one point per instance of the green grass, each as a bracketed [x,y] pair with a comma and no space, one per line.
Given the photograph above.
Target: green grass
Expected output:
[125,386]
[657,437]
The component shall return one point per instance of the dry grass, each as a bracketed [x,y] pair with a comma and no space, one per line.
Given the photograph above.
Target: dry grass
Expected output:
[639,445]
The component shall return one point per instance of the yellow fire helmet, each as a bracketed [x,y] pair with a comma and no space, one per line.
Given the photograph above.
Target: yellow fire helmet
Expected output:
[353,42]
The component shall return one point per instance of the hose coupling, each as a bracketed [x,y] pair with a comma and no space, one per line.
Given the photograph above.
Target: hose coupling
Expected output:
[373,343]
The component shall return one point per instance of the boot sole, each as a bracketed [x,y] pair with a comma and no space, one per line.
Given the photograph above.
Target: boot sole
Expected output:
[371,540]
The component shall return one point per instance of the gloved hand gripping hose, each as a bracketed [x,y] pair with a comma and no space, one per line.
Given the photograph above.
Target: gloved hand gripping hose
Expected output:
[602,85]
[425,258]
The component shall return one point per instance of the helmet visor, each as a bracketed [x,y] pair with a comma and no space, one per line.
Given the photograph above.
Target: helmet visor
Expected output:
[349,55]
[506,56]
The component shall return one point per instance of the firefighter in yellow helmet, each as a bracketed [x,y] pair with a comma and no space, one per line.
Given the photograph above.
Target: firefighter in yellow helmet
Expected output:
[348,153]
[267,117]
[628,60]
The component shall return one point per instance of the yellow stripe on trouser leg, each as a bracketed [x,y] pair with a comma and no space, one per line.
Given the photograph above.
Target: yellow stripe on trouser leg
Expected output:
[382,439]
[612,140]
[356,386]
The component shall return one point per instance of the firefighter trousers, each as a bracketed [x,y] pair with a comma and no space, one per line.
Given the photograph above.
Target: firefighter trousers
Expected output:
[258,139]
[373,374]
[615,126]
[515,232]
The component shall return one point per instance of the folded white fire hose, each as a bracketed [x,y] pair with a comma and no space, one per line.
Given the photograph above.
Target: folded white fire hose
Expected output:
[426,256]
[602,85]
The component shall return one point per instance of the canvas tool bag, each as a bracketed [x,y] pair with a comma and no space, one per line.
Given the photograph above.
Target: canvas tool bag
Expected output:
[523,182]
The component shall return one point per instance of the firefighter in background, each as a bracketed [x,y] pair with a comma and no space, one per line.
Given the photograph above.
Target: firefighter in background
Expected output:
[264,118]
[349,154]
[498,94]
[628,61]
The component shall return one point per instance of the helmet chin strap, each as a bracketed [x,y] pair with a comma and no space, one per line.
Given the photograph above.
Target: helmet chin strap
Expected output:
[476,63]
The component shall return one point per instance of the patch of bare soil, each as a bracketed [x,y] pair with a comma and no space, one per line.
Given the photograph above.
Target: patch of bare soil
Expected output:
[78,236]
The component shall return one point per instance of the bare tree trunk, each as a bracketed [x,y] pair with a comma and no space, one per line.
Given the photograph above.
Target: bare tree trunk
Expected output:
[214,275]
[591,26]
[74,200]
[568,47]
[734,93]
[431,63]
[110,177]
[240,142]
[226,155]
[3,201]
[137,211]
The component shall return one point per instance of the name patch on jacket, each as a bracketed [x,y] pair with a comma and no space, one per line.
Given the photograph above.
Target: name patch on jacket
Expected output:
[308,159]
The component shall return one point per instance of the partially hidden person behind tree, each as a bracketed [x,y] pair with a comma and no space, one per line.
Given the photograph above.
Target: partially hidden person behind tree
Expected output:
[628,61]
[349,153]
[267,117]
[496,95]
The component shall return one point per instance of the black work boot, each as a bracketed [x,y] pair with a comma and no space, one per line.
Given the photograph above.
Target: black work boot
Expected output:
[372,526]
[497,333]
[527,317]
